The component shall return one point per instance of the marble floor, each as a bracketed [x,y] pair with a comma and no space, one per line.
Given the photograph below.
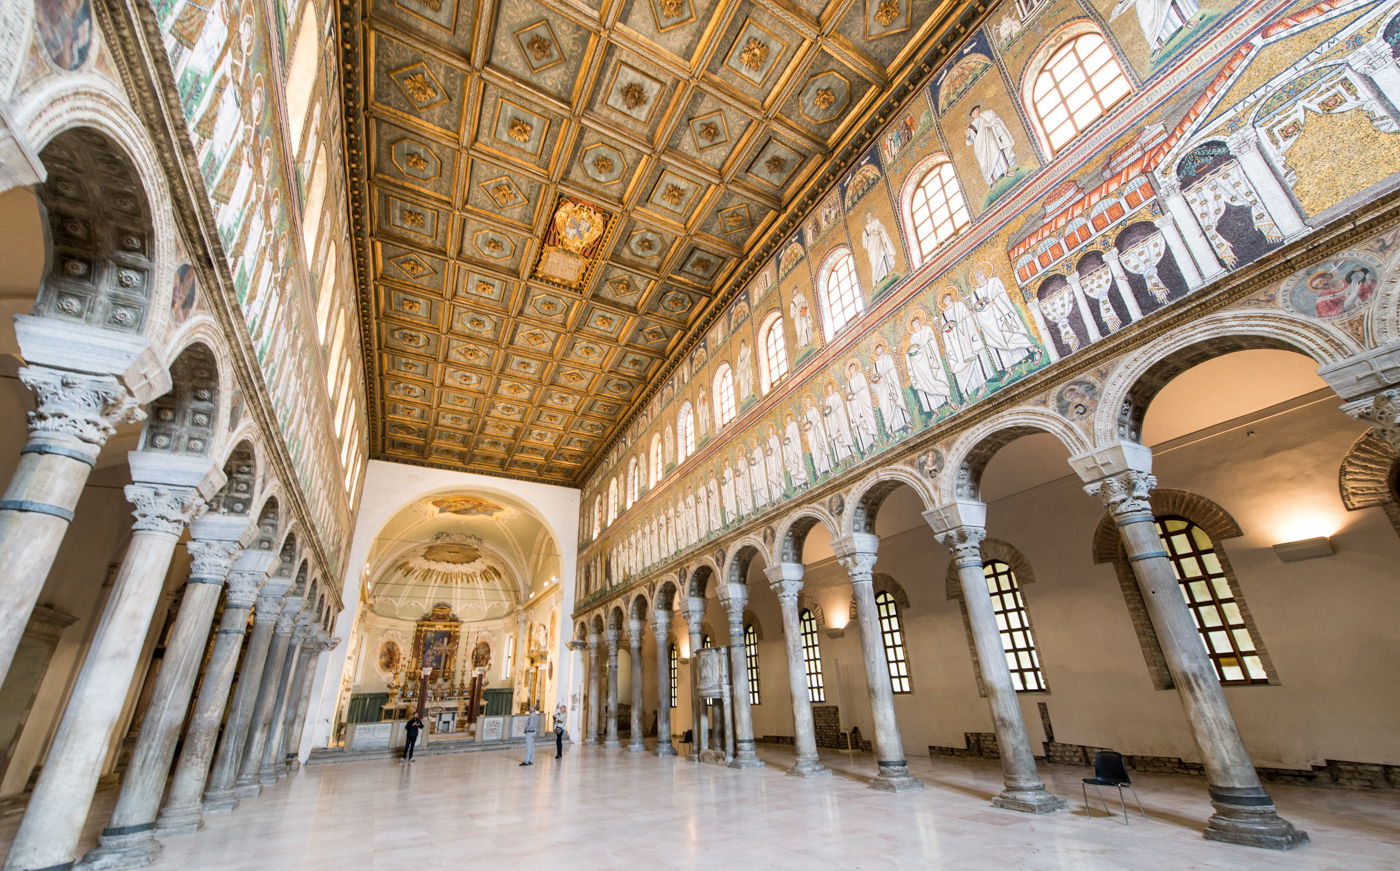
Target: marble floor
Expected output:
[602,809]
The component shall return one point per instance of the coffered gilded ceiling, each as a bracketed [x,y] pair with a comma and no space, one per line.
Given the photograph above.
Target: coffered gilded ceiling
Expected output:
[549,196]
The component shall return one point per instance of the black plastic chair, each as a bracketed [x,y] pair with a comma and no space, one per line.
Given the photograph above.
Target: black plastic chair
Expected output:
[1109,770]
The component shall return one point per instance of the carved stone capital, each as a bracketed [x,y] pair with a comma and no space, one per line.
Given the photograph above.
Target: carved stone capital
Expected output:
[1243,141]
[1125,493]
[241,589]
[163,509]
[593,641]
[85,407]
[787,591]
[577,645]
[635,627]
[212,559]
[614,637]
[1382,412]
[733,597]
[860,565]
[965,542]
[1167,188]
[286,623]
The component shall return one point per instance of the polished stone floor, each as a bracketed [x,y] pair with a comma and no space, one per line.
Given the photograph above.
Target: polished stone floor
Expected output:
[601,809]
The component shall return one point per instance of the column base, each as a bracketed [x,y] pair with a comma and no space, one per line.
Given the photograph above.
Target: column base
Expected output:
[665,749]
[636,748]
[612,744]
[1247,816]
[746,760]
[1029,801]
[895,777]
[115,852]
[248,790]
[179,821]
[808,767]
[222,802]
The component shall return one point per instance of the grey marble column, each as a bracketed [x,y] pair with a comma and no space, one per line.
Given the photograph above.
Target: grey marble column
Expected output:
[129,841]
[594,721]
[86,381]
[1244,812]
[614,637]
[960,527]
[272,745]
[53,821]
[219,795]
[694,618]
[735,598]
[638,743]
[321,643]
[269,688]
[181,813]
[857,554]
[785,579]
[661,629]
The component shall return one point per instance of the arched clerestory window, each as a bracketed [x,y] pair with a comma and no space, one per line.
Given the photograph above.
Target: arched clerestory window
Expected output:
[725,406]
[751,660]
[937,210]
[612,500]
[1072,85]
[632,482]
[674,658]
[773,361]
[685,432]
[892,635]
[1014,623]
[841,297]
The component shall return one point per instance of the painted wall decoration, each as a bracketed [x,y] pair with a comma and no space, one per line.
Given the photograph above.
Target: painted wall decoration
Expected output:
[223,56]
[1195,188]
[65,31]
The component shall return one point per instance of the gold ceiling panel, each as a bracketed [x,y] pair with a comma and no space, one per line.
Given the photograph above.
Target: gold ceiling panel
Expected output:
[549,197]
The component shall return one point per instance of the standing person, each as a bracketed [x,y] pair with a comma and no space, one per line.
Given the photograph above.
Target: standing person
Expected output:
[532,725]
[411,730]
[560,713]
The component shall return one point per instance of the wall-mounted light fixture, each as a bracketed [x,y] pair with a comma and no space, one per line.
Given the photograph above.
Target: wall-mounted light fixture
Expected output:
[1308,548]
[836,632]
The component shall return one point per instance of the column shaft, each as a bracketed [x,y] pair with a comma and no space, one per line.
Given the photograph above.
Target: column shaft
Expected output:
[743,756]
[296,720]
[611,711]
[1024,791]
[661,629]
[219,796]
[53,821]
[638,742]
[247,786]
[181,813]
[272,763]
[786,581]
[594,720]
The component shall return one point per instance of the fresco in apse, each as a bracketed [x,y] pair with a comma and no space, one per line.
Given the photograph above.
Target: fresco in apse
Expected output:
[1181,197]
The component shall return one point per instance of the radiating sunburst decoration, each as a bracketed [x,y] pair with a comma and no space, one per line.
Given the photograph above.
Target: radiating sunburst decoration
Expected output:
[452,560]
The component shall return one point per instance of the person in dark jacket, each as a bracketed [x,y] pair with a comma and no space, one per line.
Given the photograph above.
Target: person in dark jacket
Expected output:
[411,730]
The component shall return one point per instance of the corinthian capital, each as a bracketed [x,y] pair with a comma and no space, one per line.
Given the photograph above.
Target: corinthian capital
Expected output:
[164,509]
[1382,412]
[964,541]
[860,565]
[241,590]
[212,559]
[1371,57]
[1125,493]
[84,407]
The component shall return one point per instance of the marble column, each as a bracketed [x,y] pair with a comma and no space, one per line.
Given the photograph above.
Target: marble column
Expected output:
[1278,200]
[296,695]
[181,813]
[296,725]
[638,743]
[785,579]
[1081,302]
[74,416]
[1125,290]
[1119,475]
[700,715]
[857,554]
[272,766]
[269,687]
[960,526]
[129,841]
[735,598]
[219,795]
[614,637]
[1176,243]
[53,821]
[661,630]
[594,720]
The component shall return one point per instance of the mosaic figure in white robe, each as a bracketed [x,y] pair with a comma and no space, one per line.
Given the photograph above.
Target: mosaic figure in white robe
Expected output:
[1160,19]
[879,250]
[991,143]
[726,493]
[743,371]
[964,345]
[815,428]
[743,497]
[1002,326]
[838,424]
[925,363]
[712,494]
[773,455]
[792,451]
[758,475]
[860,405]
[890,391]
[801,312]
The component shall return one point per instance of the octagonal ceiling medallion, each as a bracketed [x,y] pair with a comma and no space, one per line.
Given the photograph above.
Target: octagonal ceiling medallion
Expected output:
[539,46]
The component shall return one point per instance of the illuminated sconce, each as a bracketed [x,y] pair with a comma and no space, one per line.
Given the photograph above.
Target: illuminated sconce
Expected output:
[1308,548]
[836,625]
[836,632]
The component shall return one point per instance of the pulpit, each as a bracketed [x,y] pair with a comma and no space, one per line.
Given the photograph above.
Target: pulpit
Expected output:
[715,742]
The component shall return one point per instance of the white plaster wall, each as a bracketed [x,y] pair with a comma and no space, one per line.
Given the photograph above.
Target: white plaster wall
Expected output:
[1328,624]
[388,489]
